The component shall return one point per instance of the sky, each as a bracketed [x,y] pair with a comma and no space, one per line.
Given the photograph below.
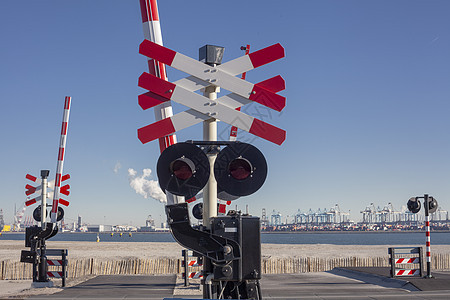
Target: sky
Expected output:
[367,88]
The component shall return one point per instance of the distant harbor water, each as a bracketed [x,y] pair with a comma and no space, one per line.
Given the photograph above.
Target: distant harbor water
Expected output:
[334,238]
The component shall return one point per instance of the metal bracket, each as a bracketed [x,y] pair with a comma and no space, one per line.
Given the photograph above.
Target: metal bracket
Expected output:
[214,247]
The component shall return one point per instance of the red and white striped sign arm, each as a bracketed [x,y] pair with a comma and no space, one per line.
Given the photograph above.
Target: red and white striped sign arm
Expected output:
[192,117]
[33,178]
[170,125]
[32,201]
[210,108]
[217,76]
[237,66]
[59,167]
[274,84]
[152,32]
[233,131]
[231,67]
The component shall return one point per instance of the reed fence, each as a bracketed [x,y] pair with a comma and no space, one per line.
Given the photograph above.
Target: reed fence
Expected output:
[15,270]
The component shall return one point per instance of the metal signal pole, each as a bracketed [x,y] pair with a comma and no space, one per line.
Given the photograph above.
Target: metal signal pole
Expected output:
[428,237]
[210,134]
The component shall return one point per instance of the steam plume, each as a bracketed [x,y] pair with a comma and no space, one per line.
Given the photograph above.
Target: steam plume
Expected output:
[146,187]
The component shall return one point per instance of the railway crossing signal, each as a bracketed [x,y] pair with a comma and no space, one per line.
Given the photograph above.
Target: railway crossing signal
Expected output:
[30,190]
[203,108]
[36,236]
[430,204]
[414,205]
[239,169]
[183,169]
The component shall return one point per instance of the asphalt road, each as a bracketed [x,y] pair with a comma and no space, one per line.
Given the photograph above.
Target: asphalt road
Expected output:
[336,284]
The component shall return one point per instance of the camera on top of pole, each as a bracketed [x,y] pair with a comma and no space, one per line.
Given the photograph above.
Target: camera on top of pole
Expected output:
[430,204]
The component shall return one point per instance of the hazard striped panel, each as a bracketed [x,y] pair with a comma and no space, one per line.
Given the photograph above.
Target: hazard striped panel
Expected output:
[55,262]
[193,275]
[413,260]
[407,272]
[192,263]
[55,274]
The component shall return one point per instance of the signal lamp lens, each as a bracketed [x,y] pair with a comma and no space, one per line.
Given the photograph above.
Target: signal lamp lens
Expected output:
[240,168]
[181,169]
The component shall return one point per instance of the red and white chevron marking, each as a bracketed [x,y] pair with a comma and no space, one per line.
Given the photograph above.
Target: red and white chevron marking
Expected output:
[55,262]
[408,272]
[33,178]
[193,275]
[59,167]
[55,274]
[233,131]
[413,260]
[32,201]
[152,32]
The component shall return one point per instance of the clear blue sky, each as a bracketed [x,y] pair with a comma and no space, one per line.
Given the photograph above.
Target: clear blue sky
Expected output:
[368,99]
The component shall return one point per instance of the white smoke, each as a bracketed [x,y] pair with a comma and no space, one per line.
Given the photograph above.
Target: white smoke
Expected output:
[146,187]
[117,167]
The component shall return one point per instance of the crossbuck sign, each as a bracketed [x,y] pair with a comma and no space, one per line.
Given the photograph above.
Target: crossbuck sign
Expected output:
[202,108]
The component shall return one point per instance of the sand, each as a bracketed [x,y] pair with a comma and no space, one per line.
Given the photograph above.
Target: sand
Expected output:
[10,250]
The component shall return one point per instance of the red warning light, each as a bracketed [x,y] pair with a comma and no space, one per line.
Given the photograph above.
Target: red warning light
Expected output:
[240,168]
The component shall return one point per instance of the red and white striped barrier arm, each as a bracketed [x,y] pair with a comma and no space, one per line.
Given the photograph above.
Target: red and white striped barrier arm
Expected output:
[409,272]
[428,238]
[413,260]
[59,167]
[152,32]
[55,274]
[233,131]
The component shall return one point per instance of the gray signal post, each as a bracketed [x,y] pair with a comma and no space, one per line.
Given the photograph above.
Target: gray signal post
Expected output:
[42,266]
[211,55]
[210,190]
[44,184]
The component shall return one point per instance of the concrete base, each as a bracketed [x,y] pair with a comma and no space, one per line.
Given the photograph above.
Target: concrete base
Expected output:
[39,285]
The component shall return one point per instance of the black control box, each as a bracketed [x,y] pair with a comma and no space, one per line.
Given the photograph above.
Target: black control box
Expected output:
[246,231]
